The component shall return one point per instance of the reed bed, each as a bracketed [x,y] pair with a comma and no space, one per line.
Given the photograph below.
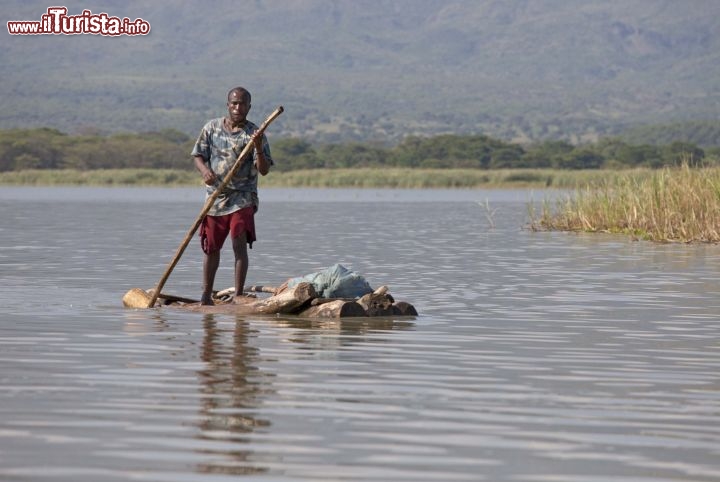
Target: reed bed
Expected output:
[100,177]
[323,178]
[417,178]
[679,204]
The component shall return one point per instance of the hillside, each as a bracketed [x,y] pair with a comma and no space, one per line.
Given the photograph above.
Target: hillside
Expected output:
[374,70]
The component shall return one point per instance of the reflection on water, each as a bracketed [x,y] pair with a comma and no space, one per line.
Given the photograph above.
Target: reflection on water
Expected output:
[237,385]
[231,385]
[536,356]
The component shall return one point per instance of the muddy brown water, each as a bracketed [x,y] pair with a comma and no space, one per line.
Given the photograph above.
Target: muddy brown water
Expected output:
[546,357]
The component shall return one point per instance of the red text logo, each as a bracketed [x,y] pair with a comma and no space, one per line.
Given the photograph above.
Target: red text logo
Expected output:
[57,22]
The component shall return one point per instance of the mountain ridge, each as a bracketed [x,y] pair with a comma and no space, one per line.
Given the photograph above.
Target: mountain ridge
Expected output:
[376,70]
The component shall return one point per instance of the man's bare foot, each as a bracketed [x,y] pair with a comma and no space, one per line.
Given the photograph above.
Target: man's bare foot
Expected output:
[207,300]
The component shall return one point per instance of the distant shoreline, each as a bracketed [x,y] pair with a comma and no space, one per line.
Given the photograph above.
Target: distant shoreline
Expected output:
[669,205]
[328,178]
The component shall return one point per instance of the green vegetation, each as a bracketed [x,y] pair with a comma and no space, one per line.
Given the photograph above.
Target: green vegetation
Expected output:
[433,178]
[677,204]
[49,157]
[325,178]
[100,177]
[44,148]
[705,134]
[662,193]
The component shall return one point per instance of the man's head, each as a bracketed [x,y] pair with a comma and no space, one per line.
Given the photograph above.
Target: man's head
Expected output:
[238,102]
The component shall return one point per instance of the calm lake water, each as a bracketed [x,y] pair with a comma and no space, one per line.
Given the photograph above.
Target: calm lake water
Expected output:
[546,357]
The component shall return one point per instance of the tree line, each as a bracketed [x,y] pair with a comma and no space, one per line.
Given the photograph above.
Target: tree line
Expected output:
[46,148]
[704,133]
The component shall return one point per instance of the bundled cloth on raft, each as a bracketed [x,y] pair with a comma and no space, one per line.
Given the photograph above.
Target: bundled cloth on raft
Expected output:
[334,282]
[335,292]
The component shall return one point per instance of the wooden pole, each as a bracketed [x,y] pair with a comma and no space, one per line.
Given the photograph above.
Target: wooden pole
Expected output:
[208,204]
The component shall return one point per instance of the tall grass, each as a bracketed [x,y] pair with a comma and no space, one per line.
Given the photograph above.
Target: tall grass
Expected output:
[435,178]
[101,177]
[330,178]
[670,205]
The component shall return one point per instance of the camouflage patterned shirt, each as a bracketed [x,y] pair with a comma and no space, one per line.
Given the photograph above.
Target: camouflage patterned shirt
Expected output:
[220,149]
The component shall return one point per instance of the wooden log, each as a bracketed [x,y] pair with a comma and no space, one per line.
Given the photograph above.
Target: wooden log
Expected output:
[302,300]
[334,309]
[401,308]
[168,299]
[224,293]
[320,301]
[252,289]
[287,302]
[137,298]
[382,290]
[377,304]
[262,289]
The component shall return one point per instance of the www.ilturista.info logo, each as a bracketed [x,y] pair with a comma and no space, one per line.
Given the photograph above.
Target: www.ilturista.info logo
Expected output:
[56,22]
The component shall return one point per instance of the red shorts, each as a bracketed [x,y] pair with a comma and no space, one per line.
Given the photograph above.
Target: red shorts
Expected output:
[215,229]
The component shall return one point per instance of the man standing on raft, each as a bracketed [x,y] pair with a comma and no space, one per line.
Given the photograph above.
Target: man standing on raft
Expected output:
[216,150]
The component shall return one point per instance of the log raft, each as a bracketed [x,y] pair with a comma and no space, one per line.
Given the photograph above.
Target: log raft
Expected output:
[301,300]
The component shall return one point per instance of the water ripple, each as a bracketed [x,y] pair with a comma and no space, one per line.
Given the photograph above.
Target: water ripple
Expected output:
[537,356]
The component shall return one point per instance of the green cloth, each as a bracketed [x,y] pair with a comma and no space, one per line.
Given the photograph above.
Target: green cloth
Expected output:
[335,281]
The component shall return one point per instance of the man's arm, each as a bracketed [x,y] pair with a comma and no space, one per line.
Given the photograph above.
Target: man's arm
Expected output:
[261,162]
[208,176]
